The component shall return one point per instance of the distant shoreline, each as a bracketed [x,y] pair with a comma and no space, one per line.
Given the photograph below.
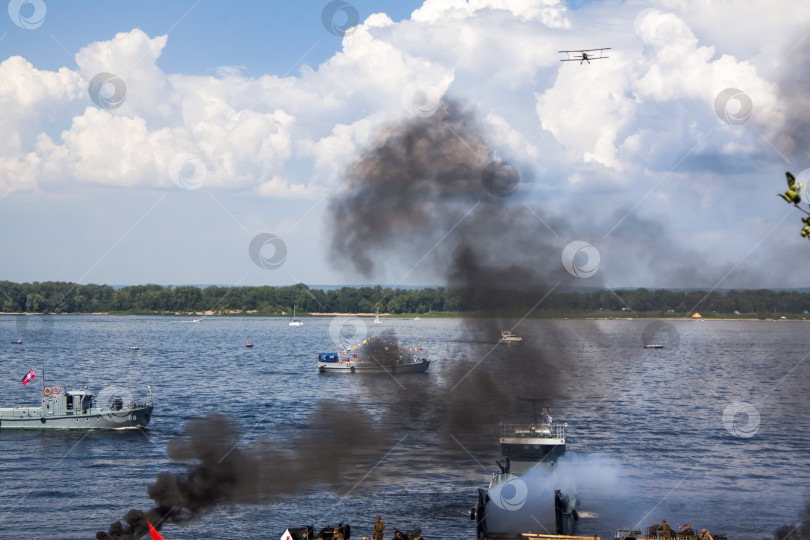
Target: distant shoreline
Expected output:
[442,315]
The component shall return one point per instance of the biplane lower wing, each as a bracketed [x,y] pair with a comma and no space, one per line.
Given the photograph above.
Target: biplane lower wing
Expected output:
[583,55]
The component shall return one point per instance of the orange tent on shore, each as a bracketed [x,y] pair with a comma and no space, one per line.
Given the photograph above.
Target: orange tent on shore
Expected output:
[697,316]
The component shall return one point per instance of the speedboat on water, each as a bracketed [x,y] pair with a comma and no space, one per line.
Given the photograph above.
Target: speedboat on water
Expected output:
[522,496]
[509,338]
[16,341]
[77,409]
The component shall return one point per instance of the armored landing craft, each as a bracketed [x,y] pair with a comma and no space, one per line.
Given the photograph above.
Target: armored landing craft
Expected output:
[75,409]
[522,496]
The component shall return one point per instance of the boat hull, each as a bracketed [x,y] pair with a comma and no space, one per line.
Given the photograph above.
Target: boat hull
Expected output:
[510,507]
[330,367]
[32,418]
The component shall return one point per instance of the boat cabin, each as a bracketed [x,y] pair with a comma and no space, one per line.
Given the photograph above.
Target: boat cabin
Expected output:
[69,402]
[328,357]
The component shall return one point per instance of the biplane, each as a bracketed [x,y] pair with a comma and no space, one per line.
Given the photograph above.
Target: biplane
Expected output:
[583,56]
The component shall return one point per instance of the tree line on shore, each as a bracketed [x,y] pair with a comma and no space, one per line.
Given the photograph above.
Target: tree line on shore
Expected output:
[63,297]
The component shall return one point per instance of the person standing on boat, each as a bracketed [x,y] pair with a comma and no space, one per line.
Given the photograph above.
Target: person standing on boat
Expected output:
[666,530]
[379,527]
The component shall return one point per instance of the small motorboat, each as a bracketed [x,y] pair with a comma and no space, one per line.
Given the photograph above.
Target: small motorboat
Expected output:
[136,348]
[16,341]
[509,338]
[653,346]
[249,344]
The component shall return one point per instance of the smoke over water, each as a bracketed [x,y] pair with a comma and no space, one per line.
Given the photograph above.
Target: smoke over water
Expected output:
[433,191]
[431,199]
[222,468]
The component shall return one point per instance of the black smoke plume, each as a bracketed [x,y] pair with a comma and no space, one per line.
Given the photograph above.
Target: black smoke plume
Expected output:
[222,468]
[384,351]
[433,191]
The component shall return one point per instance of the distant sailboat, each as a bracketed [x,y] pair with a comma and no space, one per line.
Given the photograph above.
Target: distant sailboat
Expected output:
[377,318]
[294,322]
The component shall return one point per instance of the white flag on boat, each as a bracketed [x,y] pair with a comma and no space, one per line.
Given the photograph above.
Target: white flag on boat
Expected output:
[286,535]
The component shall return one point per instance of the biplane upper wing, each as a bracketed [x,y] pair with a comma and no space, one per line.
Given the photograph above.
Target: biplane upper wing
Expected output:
[579,54]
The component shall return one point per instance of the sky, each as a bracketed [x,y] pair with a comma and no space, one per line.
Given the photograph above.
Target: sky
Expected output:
[201,142]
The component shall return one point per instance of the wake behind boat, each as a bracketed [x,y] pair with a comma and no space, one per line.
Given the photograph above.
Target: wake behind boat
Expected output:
[77,409]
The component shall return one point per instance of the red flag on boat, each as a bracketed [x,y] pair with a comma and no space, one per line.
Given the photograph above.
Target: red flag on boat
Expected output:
[152,532]
[28,376]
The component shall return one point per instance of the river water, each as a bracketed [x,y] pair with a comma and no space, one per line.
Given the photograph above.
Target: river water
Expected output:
[711,430]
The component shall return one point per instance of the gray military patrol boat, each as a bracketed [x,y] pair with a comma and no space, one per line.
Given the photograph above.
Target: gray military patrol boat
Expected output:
[76,409]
